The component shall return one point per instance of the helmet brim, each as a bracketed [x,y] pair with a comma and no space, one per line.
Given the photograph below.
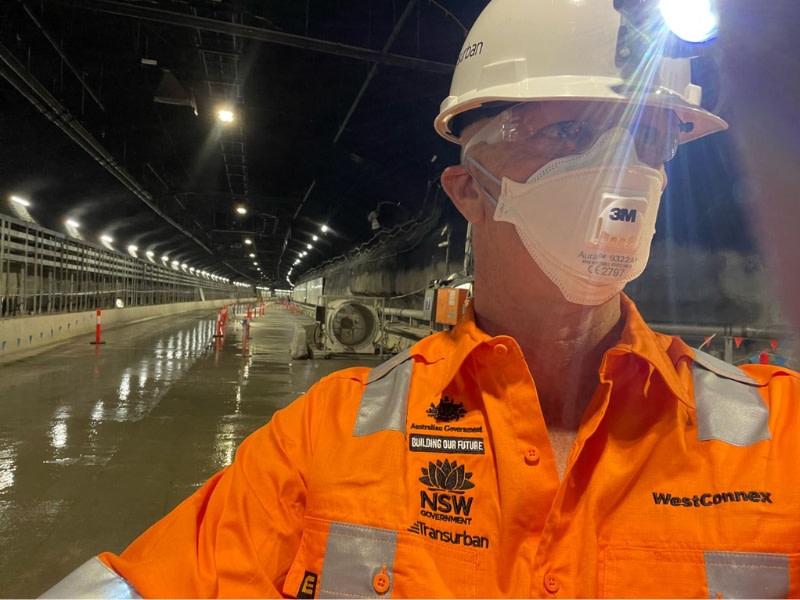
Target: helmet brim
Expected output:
[566,89]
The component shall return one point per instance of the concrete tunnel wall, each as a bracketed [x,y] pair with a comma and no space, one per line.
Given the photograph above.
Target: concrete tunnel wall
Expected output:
[683,284]
[24,336]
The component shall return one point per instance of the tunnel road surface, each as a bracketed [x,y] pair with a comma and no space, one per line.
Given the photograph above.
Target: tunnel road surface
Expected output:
[98,442]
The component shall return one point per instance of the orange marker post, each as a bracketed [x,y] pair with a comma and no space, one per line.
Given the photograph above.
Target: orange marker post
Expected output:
[219,333]
[97,328]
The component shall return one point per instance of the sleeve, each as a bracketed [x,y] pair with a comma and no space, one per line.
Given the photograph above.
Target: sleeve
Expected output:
[238,534]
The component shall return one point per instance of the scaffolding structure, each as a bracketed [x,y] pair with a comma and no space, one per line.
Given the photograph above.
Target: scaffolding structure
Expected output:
[42,271]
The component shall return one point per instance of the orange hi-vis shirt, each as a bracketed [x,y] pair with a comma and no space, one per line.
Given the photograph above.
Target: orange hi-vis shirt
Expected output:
[433,476]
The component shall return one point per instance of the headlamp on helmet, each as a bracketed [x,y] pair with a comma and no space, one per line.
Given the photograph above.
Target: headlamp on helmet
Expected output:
[679,29]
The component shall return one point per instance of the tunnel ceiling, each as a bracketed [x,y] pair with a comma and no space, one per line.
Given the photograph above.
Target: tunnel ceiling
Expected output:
[108,114]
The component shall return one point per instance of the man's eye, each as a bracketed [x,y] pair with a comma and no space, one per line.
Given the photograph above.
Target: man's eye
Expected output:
[573,135]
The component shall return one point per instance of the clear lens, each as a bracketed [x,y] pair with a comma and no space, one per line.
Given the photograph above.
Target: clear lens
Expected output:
[549,132]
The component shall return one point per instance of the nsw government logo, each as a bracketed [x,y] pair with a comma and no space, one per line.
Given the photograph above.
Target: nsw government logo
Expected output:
[445,499]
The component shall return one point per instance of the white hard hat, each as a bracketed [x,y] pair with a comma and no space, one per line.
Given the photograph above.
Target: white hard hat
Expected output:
[531,50]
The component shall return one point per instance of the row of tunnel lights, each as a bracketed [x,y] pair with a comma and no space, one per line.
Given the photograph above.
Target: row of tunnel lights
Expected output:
[304,253]
[314,238]
[133,250]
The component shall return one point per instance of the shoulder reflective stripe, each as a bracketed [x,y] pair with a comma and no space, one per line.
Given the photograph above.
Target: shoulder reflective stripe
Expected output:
[354,555]
[385,399]
[382,369]
[747,575]
[729,407]
[721,368]
[93,579]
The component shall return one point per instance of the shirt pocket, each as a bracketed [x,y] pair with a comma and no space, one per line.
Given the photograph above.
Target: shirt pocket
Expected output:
[629,572]
[345,560]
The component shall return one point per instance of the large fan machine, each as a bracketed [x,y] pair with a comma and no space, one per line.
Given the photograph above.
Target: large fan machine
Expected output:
[351,325]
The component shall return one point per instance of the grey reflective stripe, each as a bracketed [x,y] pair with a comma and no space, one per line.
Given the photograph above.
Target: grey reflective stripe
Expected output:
[729,407]
[385,399]
[93,579]
[354,554]
[747,575]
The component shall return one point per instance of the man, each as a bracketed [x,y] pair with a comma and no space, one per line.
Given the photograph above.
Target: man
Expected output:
[551,445]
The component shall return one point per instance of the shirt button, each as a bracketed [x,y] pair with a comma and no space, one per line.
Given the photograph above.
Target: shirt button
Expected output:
[501,350]
[551,583]
[532,455]
[380,583]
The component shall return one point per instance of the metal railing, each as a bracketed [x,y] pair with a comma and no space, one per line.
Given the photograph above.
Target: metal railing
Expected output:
[42,271]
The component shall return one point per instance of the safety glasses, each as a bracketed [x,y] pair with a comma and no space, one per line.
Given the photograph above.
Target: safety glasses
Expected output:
[550,130]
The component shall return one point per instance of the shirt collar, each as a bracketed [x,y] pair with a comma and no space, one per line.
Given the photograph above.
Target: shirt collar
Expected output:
[663,352]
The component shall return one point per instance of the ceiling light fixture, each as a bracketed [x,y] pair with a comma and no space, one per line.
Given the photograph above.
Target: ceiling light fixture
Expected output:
[225,115]
[20,201]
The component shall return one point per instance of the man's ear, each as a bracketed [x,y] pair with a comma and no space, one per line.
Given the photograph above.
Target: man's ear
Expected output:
[464,192]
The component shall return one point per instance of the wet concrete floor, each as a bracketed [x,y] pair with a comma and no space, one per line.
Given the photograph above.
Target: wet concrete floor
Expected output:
[98,442]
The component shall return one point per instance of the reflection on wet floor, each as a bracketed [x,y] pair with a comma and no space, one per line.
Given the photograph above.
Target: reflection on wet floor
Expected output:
[96,443]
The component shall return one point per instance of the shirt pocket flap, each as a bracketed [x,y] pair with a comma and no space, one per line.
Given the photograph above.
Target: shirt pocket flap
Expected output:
[343,560]
[629,572]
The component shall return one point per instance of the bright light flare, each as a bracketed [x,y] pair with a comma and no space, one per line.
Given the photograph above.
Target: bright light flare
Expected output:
[20,201]
[691,20]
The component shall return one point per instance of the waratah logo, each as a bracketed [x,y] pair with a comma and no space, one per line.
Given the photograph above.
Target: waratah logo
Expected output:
[446,475]
[447,411]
